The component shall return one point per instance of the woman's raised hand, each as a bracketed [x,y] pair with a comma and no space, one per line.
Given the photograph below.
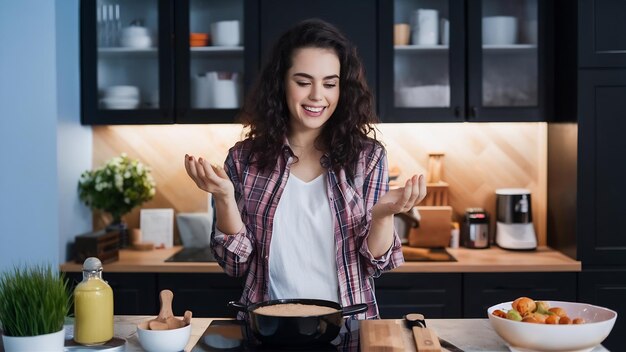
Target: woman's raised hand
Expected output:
[210,178]
[401,200]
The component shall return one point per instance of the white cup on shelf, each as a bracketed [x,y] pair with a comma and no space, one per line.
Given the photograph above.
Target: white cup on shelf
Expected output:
[225,33]
[425,24]
[499,30]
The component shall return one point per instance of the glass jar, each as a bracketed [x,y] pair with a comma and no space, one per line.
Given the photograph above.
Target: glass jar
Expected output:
[93,306]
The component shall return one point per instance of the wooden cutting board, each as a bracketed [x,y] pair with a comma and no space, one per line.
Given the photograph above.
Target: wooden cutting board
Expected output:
[385,335]
[391,335]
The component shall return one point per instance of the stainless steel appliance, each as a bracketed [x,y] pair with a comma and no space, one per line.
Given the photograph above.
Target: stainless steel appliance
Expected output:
[475,229]
[514,227]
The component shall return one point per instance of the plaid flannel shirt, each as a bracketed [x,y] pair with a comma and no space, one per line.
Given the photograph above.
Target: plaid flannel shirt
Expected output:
[257,194]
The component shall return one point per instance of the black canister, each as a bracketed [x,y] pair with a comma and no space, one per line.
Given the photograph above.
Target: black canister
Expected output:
[475,229]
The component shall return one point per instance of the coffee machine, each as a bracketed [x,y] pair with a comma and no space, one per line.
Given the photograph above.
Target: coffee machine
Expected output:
[514,226]
[475,229]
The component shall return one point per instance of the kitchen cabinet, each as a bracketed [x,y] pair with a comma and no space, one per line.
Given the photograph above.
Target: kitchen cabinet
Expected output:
[606,288]
[483,290]
[602,42]
[586,192]
[206,295]
[434,295]
[473,60]
[165,61]
[133,293]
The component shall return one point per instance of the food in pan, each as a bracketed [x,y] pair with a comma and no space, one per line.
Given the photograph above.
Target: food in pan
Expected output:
[527,310]
[294,310]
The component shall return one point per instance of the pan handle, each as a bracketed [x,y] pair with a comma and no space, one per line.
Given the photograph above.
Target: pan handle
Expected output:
[239,306]
[353,309]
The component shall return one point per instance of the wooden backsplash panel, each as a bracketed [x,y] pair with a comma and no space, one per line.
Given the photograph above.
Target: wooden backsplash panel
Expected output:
[479,158]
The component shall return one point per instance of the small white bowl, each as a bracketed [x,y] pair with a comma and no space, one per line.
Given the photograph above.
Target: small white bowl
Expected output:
[163,340]
[131,31]
[119,103]
[122,91]
[522,336]
[136,41]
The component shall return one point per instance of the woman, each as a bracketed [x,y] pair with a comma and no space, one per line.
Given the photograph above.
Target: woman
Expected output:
[302,204]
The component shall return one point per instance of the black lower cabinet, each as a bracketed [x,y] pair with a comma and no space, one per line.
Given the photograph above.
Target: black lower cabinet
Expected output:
[434,295]
[483,290]
[606,288]
[133,293]
[205,294]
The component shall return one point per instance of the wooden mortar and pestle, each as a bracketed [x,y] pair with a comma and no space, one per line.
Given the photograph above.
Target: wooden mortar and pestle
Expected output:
[166,320]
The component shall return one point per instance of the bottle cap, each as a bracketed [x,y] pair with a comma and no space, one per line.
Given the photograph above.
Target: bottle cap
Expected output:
[92,264]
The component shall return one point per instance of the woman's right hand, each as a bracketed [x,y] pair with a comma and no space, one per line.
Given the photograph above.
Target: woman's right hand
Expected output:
[210,178]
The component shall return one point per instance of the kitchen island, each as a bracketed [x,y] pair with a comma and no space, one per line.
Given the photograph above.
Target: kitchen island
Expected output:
[466,334]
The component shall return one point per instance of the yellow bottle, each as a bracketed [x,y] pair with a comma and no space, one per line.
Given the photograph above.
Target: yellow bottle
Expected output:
[93,306]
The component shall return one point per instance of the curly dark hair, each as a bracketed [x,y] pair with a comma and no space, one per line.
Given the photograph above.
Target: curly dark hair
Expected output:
[266,113]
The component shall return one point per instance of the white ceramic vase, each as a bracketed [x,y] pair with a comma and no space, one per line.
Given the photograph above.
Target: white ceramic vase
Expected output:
[48,342]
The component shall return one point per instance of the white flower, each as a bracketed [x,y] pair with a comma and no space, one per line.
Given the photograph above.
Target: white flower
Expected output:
[119,182]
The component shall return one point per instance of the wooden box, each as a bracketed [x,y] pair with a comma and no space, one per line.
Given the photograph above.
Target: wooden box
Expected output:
[435,227]
[101,244]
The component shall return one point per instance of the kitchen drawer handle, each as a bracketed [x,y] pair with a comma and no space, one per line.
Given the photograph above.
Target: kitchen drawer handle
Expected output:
[473,113]
[457,111]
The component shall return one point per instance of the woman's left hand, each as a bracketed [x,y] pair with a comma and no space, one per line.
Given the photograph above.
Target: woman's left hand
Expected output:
[400,200]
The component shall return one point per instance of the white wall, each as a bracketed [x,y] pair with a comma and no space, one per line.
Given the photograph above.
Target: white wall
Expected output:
[42,144]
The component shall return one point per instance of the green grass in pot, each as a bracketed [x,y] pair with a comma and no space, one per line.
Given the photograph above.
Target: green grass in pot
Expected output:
[34,300]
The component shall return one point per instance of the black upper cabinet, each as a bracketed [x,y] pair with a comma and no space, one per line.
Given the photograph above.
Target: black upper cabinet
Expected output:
[355,18]
[148,61]
[465,60]
[603,35]
[126,80]
[166,61]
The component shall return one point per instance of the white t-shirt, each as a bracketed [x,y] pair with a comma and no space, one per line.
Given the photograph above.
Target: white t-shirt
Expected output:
[302,251]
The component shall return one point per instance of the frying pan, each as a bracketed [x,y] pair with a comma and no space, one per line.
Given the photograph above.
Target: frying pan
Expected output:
[297,330]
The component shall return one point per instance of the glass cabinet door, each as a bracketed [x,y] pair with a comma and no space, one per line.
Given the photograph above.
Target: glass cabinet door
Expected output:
[421,56]
[507,60]
[211,54]
[124,60]
[509,53]
[422,65]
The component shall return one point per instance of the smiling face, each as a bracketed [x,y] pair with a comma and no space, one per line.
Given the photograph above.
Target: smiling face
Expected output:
[312,88]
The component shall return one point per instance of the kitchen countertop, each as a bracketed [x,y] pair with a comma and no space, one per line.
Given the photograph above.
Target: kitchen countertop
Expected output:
[460,332]
[493,259]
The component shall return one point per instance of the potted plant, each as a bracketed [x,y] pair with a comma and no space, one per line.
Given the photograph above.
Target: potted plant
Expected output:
[116,188]
[34,301]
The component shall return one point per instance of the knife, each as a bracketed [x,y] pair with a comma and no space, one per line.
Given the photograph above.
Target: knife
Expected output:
[449,346]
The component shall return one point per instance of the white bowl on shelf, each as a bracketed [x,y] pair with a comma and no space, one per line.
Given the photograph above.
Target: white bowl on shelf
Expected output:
[121,91]
[135,31]
[136,41]
[521,336]
[423,96]
[119,103]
